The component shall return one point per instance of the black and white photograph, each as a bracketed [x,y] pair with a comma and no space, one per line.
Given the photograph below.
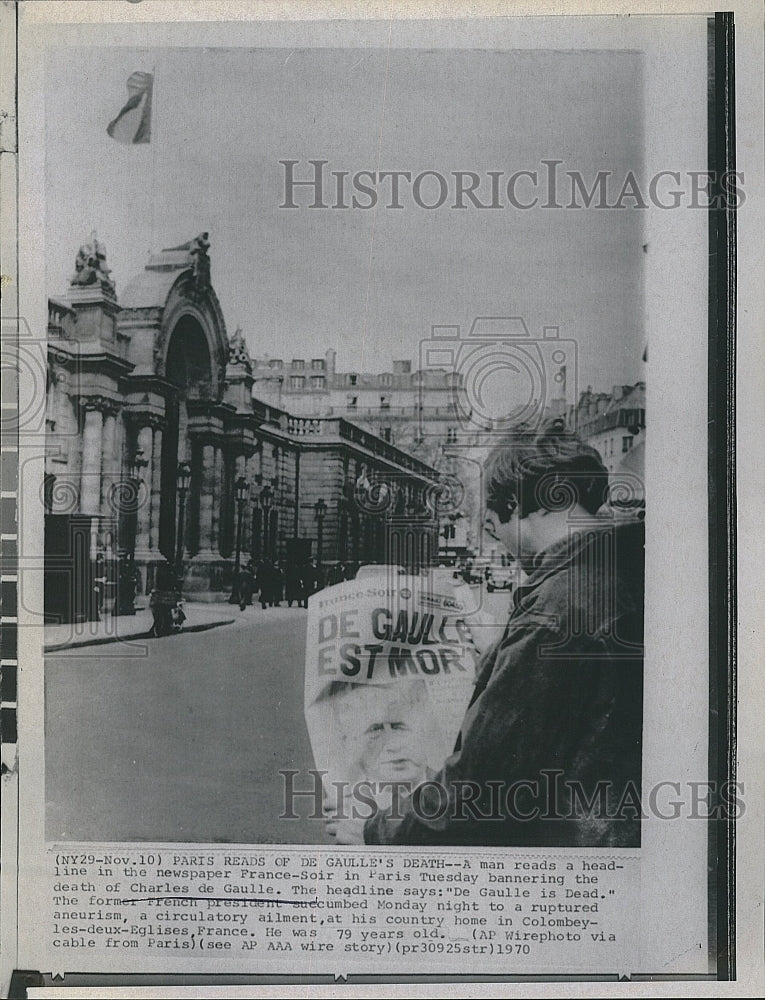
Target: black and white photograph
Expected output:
[372,493]
[255,400]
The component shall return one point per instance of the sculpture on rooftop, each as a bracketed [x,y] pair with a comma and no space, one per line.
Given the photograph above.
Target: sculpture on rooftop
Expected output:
[200,260]
[90,267]
[238,354]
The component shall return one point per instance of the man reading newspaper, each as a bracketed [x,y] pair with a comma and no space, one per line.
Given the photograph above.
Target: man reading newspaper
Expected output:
[549,752]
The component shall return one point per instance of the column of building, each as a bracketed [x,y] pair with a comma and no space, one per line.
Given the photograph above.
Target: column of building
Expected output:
[206,494]
[255,517]
[62,482]
[155,482]
[110,475]
[144,460]
[240,469]
[210,451]
[110,465]
[219,497]
[144,442]
[94,409]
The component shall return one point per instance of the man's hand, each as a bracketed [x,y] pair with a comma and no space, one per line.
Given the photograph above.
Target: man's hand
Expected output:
[346,831]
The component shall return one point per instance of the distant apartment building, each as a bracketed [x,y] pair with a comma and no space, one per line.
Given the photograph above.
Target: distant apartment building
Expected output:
[419,411]
[612,422]
[413,410]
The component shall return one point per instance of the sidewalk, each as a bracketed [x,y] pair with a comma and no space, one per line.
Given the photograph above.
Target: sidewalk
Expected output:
[199,617]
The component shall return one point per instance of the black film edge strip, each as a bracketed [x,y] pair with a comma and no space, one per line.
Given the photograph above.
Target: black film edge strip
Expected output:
[722,496]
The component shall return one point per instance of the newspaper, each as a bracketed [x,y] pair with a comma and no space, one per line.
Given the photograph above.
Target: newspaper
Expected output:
[357,349]
[390,668]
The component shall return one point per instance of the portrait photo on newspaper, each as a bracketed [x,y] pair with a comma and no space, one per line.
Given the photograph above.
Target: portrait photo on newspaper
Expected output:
[372,495]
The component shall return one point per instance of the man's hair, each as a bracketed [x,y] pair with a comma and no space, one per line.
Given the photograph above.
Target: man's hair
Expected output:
[551,470]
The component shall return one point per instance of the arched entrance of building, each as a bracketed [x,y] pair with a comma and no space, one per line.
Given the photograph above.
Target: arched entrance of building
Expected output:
[188,368]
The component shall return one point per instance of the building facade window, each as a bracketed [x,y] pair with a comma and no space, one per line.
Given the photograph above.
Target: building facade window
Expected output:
[276,363]
[384,402]
[386,433]
[451,435]
[298,364]
[351,379]
[297,382]
[317,364]
[318,382]
[627,442]
[352,402]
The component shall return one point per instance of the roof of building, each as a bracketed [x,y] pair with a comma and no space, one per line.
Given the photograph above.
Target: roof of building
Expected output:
[632,398]
[149,289]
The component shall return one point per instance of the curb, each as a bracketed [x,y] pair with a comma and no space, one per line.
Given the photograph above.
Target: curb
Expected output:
[106,639]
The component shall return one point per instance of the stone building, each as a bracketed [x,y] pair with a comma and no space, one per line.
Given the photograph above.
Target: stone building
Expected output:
[143,385]
[415,410]
[612,422]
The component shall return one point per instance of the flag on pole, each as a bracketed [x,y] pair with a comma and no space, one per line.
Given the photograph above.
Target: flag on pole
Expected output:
[133,124]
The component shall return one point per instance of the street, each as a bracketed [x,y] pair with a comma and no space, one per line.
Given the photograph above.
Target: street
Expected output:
[183,743]
[184,739]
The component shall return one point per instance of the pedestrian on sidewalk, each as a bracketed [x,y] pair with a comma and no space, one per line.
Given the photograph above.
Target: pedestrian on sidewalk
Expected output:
[245,585]
[264,582]
[277,586]
[311,580]
[294,584]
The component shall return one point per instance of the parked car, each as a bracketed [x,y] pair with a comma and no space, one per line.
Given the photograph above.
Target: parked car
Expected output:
[472,572]
[500,578]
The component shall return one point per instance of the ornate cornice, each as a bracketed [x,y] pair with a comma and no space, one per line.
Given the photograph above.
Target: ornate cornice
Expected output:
[145,418]
[139,316]
[95,401]
[154,420]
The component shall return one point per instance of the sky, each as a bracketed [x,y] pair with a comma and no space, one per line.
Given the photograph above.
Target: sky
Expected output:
[368,283]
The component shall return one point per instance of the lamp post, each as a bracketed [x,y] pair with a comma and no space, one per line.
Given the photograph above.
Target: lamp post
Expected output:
[183,482]
[320,508]
[266,499]
[241,499]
